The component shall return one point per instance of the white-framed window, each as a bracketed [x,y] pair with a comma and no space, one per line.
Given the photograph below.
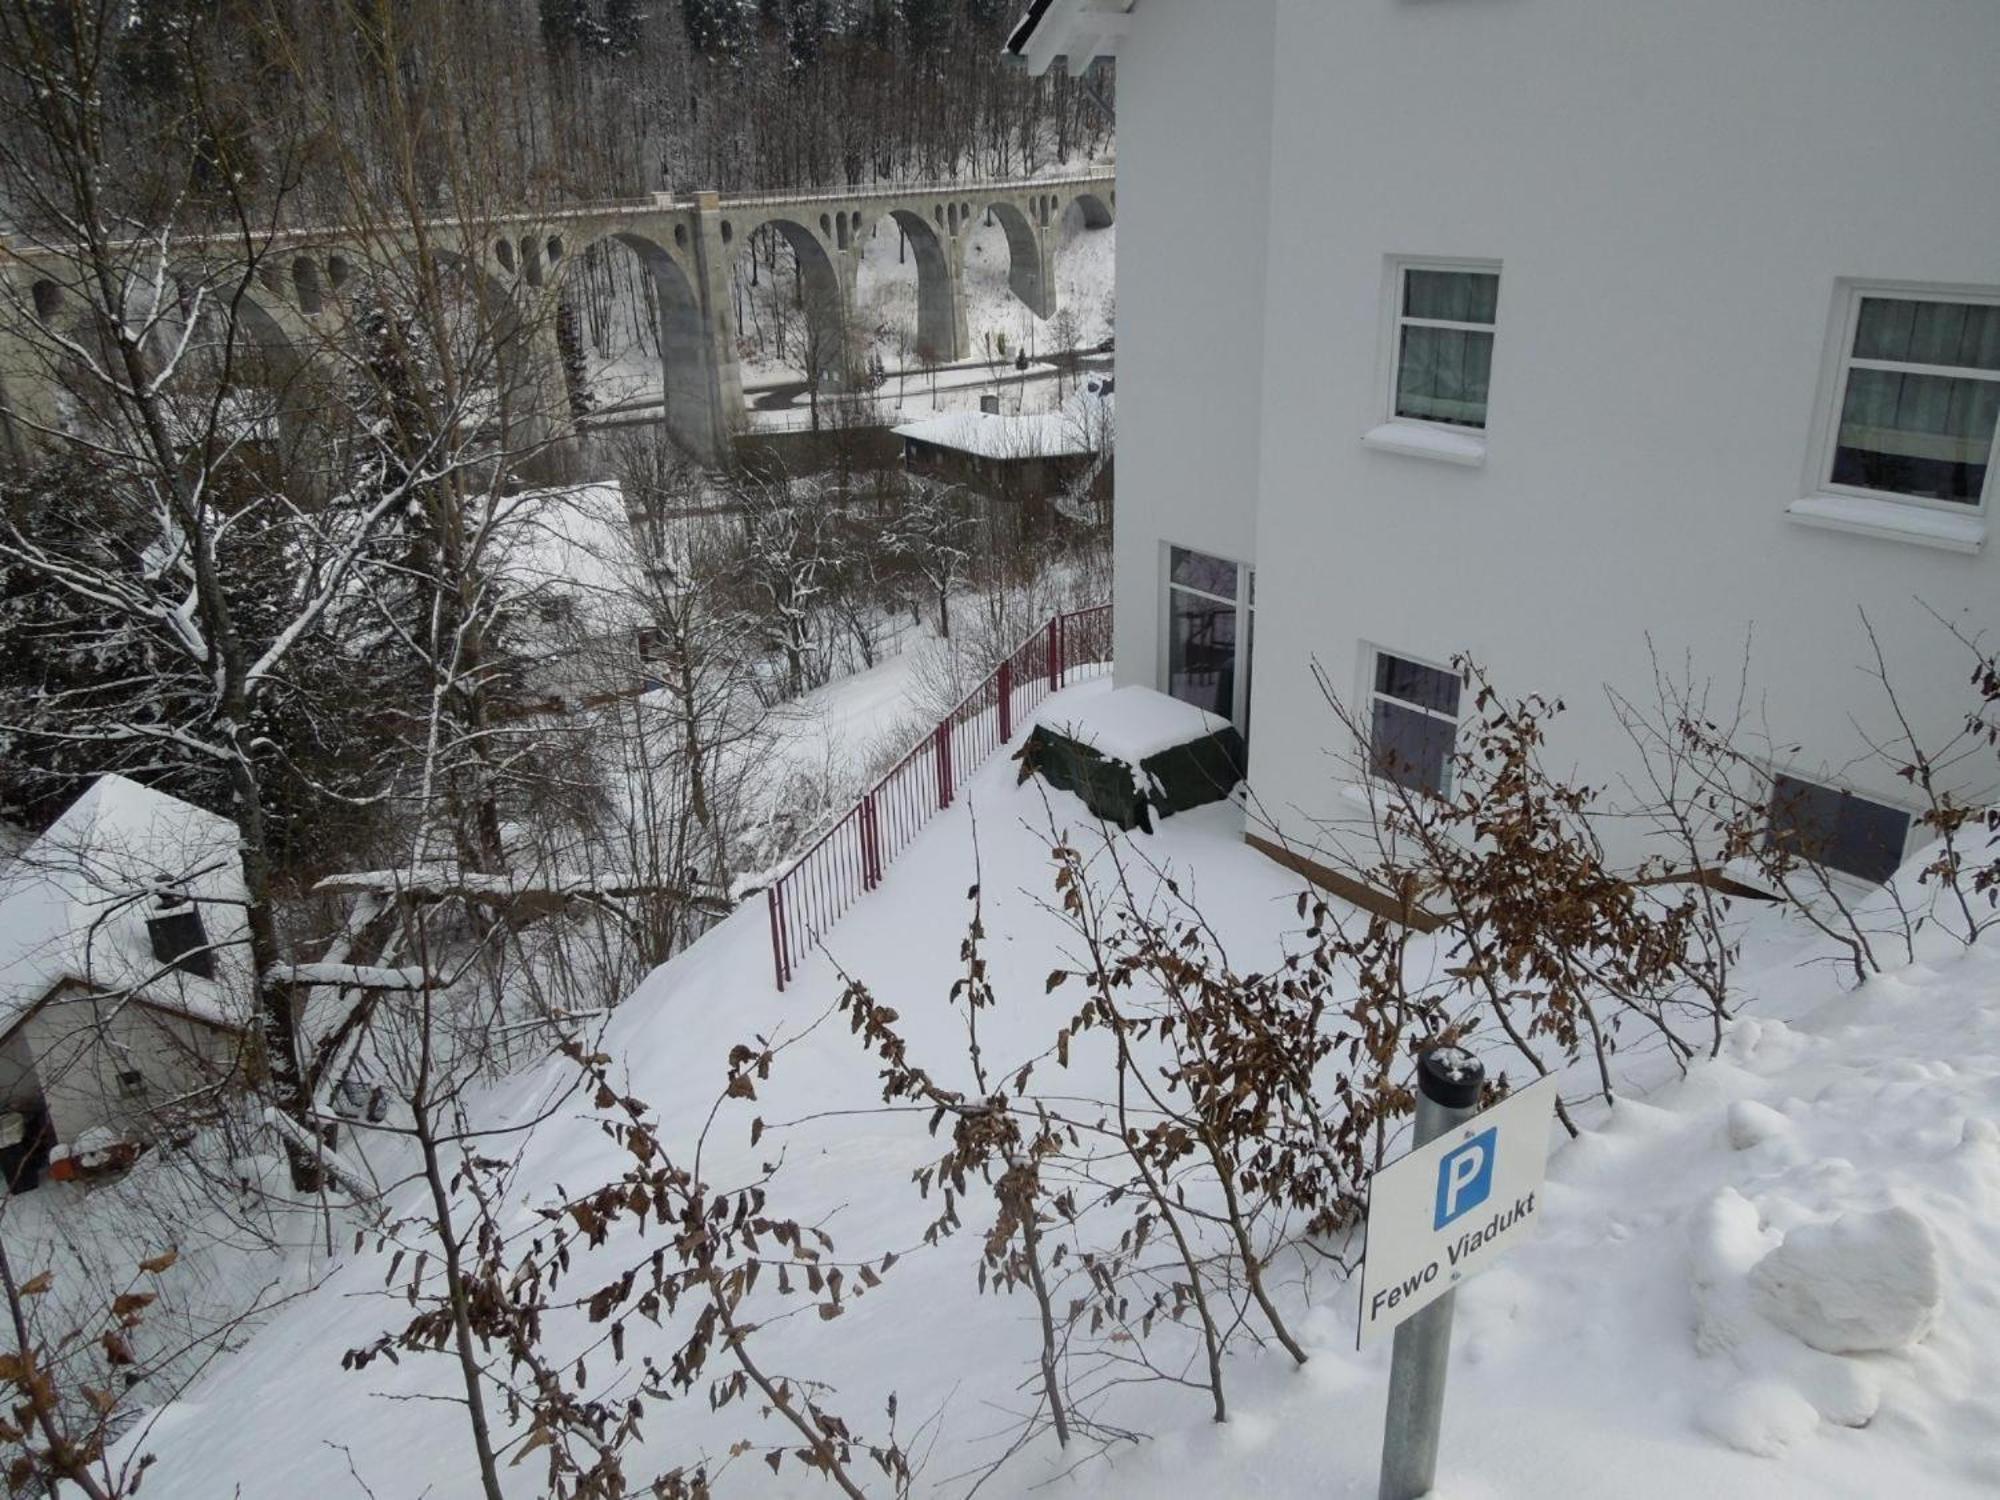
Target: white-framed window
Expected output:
[1835,828]
[1413,709]
[1912,413]
[1210,614]
[1441,349]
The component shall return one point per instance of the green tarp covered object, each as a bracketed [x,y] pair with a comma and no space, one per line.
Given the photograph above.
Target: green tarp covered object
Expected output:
[1197,771]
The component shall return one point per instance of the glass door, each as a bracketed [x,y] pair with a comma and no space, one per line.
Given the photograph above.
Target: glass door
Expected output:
[1209,601]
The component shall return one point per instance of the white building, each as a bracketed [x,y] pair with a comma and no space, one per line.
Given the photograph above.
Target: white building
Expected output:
[1560,333]
[125,989]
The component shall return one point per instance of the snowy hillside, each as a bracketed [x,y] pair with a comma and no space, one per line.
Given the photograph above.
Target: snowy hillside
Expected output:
[1649,1344]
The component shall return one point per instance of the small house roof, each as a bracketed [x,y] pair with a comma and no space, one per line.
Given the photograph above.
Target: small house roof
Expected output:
[575,544]
[74,905]
[1072,432]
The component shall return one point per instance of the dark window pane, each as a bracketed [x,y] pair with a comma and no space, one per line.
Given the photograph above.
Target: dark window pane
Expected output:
[180,943]
[1836,829]
[1201,653]
[1197,570]
[1453,296]
[1803,816]
[1442,375]
[1930,436]
[1883,330]
[1411,749]
[1426,687]
[1870,839]
[1929,333]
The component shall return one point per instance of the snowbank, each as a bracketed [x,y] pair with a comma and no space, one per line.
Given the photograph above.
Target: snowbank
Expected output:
[1664,1337]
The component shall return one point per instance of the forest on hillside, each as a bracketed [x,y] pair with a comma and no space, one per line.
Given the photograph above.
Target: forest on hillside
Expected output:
[541,101]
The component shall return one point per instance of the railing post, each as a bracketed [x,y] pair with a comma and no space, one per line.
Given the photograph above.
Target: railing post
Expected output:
[1055,652]
[871,844]
[1006,702]
[944,763]
[777,942]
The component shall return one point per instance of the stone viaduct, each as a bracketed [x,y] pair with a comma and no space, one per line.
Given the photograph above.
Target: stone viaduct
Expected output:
[687,243]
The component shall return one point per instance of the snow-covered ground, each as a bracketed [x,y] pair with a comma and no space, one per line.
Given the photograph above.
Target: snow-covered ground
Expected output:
[1634,1348]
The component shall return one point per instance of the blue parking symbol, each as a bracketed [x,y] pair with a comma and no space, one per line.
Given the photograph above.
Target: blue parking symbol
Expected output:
[1465,1177]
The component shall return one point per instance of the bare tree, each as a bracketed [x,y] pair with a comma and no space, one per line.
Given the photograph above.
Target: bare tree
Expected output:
[932,533]
[188,529]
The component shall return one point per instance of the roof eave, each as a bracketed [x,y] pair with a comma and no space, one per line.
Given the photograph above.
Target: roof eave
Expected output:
[1076,31]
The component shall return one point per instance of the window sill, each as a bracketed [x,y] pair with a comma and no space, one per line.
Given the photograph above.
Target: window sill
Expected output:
[1373,795]
[1359,794]
[1816,885]
[1885,518]
[1414,440]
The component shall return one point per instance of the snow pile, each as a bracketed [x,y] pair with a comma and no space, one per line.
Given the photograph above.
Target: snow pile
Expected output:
[1865,1282]
[1836,1277]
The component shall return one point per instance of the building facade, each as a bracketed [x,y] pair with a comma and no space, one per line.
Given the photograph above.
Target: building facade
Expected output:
[1579,339]
[125,987]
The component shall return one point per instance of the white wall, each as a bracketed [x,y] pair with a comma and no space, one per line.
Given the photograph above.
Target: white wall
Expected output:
[81,1042]
[1673,190]
[1194,134]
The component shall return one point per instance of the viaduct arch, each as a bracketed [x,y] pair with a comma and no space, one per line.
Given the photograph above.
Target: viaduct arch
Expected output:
[312,284]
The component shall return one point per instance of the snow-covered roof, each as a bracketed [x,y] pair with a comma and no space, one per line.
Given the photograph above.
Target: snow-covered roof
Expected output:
[576,544]
[1080,31]
[74,906]
[1072,432]
[1133,724]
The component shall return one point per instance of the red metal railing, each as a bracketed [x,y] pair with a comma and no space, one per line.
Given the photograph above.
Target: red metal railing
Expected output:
[849,858]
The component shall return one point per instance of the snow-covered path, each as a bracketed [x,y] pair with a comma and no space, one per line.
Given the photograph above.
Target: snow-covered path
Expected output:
[1623,1352]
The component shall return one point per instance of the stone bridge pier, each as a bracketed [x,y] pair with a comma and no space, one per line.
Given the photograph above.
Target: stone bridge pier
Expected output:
[829,235]
[300,309]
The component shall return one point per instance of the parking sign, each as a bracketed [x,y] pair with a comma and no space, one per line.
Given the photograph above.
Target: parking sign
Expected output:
[1465,1178]
[1450,1209]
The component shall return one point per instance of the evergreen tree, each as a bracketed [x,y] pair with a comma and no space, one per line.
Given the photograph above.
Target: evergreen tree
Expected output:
[806,28]
[928,24]
[621,27]
[714,27]
[566,24]
[877,28]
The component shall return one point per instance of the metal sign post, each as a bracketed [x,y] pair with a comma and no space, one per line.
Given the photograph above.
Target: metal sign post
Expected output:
[1464,1195]
[1448,1084]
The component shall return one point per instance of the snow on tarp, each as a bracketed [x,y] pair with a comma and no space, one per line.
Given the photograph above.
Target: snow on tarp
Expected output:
[74,906]
[1133,724]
